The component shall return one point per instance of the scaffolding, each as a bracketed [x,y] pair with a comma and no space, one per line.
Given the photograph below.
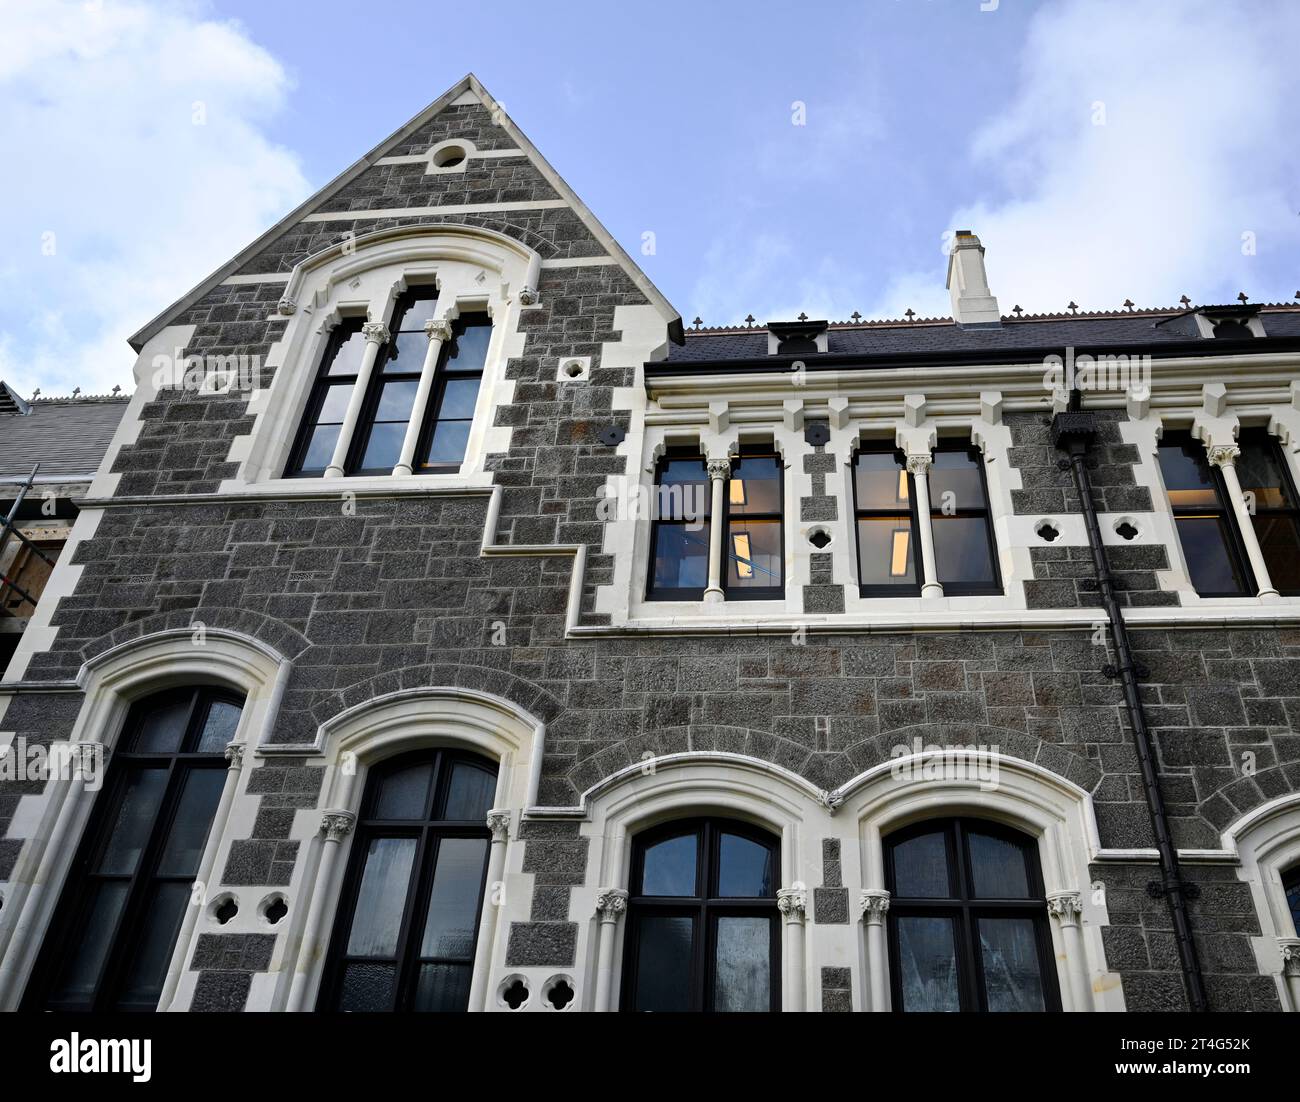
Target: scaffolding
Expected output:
[8,530]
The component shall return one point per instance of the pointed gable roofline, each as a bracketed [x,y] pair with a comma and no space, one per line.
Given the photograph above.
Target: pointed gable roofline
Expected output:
[467,84]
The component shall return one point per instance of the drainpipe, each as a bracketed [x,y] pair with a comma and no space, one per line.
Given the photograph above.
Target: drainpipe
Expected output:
[1073,432]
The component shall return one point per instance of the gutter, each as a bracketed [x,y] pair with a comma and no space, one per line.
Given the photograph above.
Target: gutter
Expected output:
[1073,432]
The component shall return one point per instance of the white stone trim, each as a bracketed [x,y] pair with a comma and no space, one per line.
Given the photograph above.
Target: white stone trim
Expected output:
[1267,842]
[353,741]
[450,208]
[53,822]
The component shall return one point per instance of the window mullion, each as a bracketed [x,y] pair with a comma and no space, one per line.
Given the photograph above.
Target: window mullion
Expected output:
[376,334]
[918,468]
[1224,457]
[438,330]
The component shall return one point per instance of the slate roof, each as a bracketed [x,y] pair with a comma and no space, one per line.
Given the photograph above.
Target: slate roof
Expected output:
[67,436]
[943,335]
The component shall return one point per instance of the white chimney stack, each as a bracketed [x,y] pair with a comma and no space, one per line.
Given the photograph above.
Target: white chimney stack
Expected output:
[972,301]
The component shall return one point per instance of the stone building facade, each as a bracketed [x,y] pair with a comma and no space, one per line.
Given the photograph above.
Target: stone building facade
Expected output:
[502,610]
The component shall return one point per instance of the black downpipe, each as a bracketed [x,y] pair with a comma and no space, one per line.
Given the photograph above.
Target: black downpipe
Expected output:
[1073,432]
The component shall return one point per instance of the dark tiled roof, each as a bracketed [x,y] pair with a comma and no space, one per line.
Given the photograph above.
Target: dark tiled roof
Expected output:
[66,436]
[940,336]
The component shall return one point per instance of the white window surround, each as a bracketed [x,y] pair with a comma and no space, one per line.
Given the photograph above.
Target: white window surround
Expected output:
[476,270]
[55,820]
[355,740]
[1055,812]
[1267,844]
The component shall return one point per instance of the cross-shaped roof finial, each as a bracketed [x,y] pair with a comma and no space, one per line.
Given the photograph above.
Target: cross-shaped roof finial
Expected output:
[803,316]
[697,322]
[909,313]
[1242,298]
[75,391]
[858,317]
[1185,301]
[1073,307]
[749,321]
[1128,304]
[1016,310]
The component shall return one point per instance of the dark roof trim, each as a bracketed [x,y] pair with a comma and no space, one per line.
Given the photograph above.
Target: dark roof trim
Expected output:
[826,361]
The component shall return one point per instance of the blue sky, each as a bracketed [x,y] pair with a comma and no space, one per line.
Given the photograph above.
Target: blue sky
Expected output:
[1102,150]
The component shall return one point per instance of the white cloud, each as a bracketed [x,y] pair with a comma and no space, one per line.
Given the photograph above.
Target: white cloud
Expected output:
[134,135]
[1198,148]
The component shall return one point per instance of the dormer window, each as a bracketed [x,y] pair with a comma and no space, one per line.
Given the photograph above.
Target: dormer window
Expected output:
[796,338]
[1231,329]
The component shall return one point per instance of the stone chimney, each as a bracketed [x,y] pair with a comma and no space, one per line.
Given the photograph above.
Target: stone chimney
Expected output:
[973,303]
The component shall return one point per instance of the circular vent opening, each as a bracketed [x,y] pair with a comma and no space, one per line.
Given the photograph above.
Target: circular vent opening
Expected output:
[1126,529]
[449,156]
[1049,531]
[819,538]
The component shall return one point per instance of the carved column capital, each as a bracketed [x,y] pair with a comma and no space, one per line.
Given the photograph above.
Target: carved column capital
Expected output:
[376,332]
[1290,956]
[1222,455]
[1067,906]
[875,904]
[611,903]
[235,754]
[498,821]
[719,469]
[437,329]
[919,464]
[793,903]
[337,825]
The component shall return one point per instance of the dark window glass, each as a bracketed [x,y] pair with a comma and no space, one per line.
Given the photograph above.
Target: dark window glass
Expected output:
[390,400]
[702,920]
[121,910]
[1291,884]
[679,550]
[889,553]
[455,391]
[408,919]
[967,920]
[753,542]
[1216,563]
[1271,495]
[328,402]
[959,512]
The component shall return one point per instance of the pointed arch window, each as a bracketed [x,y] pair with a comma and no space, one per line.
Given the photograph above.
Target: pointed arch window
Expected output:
[408,919]
[115,929]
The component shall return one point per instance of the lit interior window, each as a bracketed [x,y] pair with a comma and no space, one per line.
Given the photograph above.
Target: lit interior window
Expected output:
[898,559]
[902,487]
[740,545]
[737,491]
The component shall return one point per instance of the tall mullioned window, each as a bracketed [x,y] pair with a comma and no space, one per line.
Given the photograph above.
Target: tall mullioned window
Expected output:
[889,549]
[703,933]
[1216,560]
[968,928]
[1271,495]
[407,923]
[111,942]
[964,551]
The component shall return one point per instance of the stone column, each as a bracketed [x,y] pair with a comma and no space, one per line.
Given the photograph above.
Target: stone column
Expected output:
[611,903]
[376,335]
[719,472]
[336,824]
[793,904]
[1224,456]
[875,906]
[498,821]
[203,878]
[1067,909]
[1291,969]
[918,467]
[438,330]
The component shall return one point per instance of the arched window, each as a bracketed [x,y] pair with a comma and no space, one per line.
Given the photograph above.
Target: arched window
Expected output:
[1291,885]
[409,915]
[116,925]
[967,919]
[702,919]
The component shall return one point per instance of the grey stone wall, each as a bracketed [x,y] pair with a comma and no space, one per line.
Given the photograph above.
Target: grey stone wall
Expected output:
[397,595]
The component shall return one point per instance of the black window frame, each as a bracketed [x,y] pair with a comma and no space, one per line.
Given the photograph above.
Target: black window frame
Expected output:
[428,832]
[365,426]
[1259,436]
[322,384]
[1223,509]
[432,413]
[677,593]
[867,447]
[1290,891]
[704,907]
[753,593]
[984,513]
[78,888]
[965,909]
